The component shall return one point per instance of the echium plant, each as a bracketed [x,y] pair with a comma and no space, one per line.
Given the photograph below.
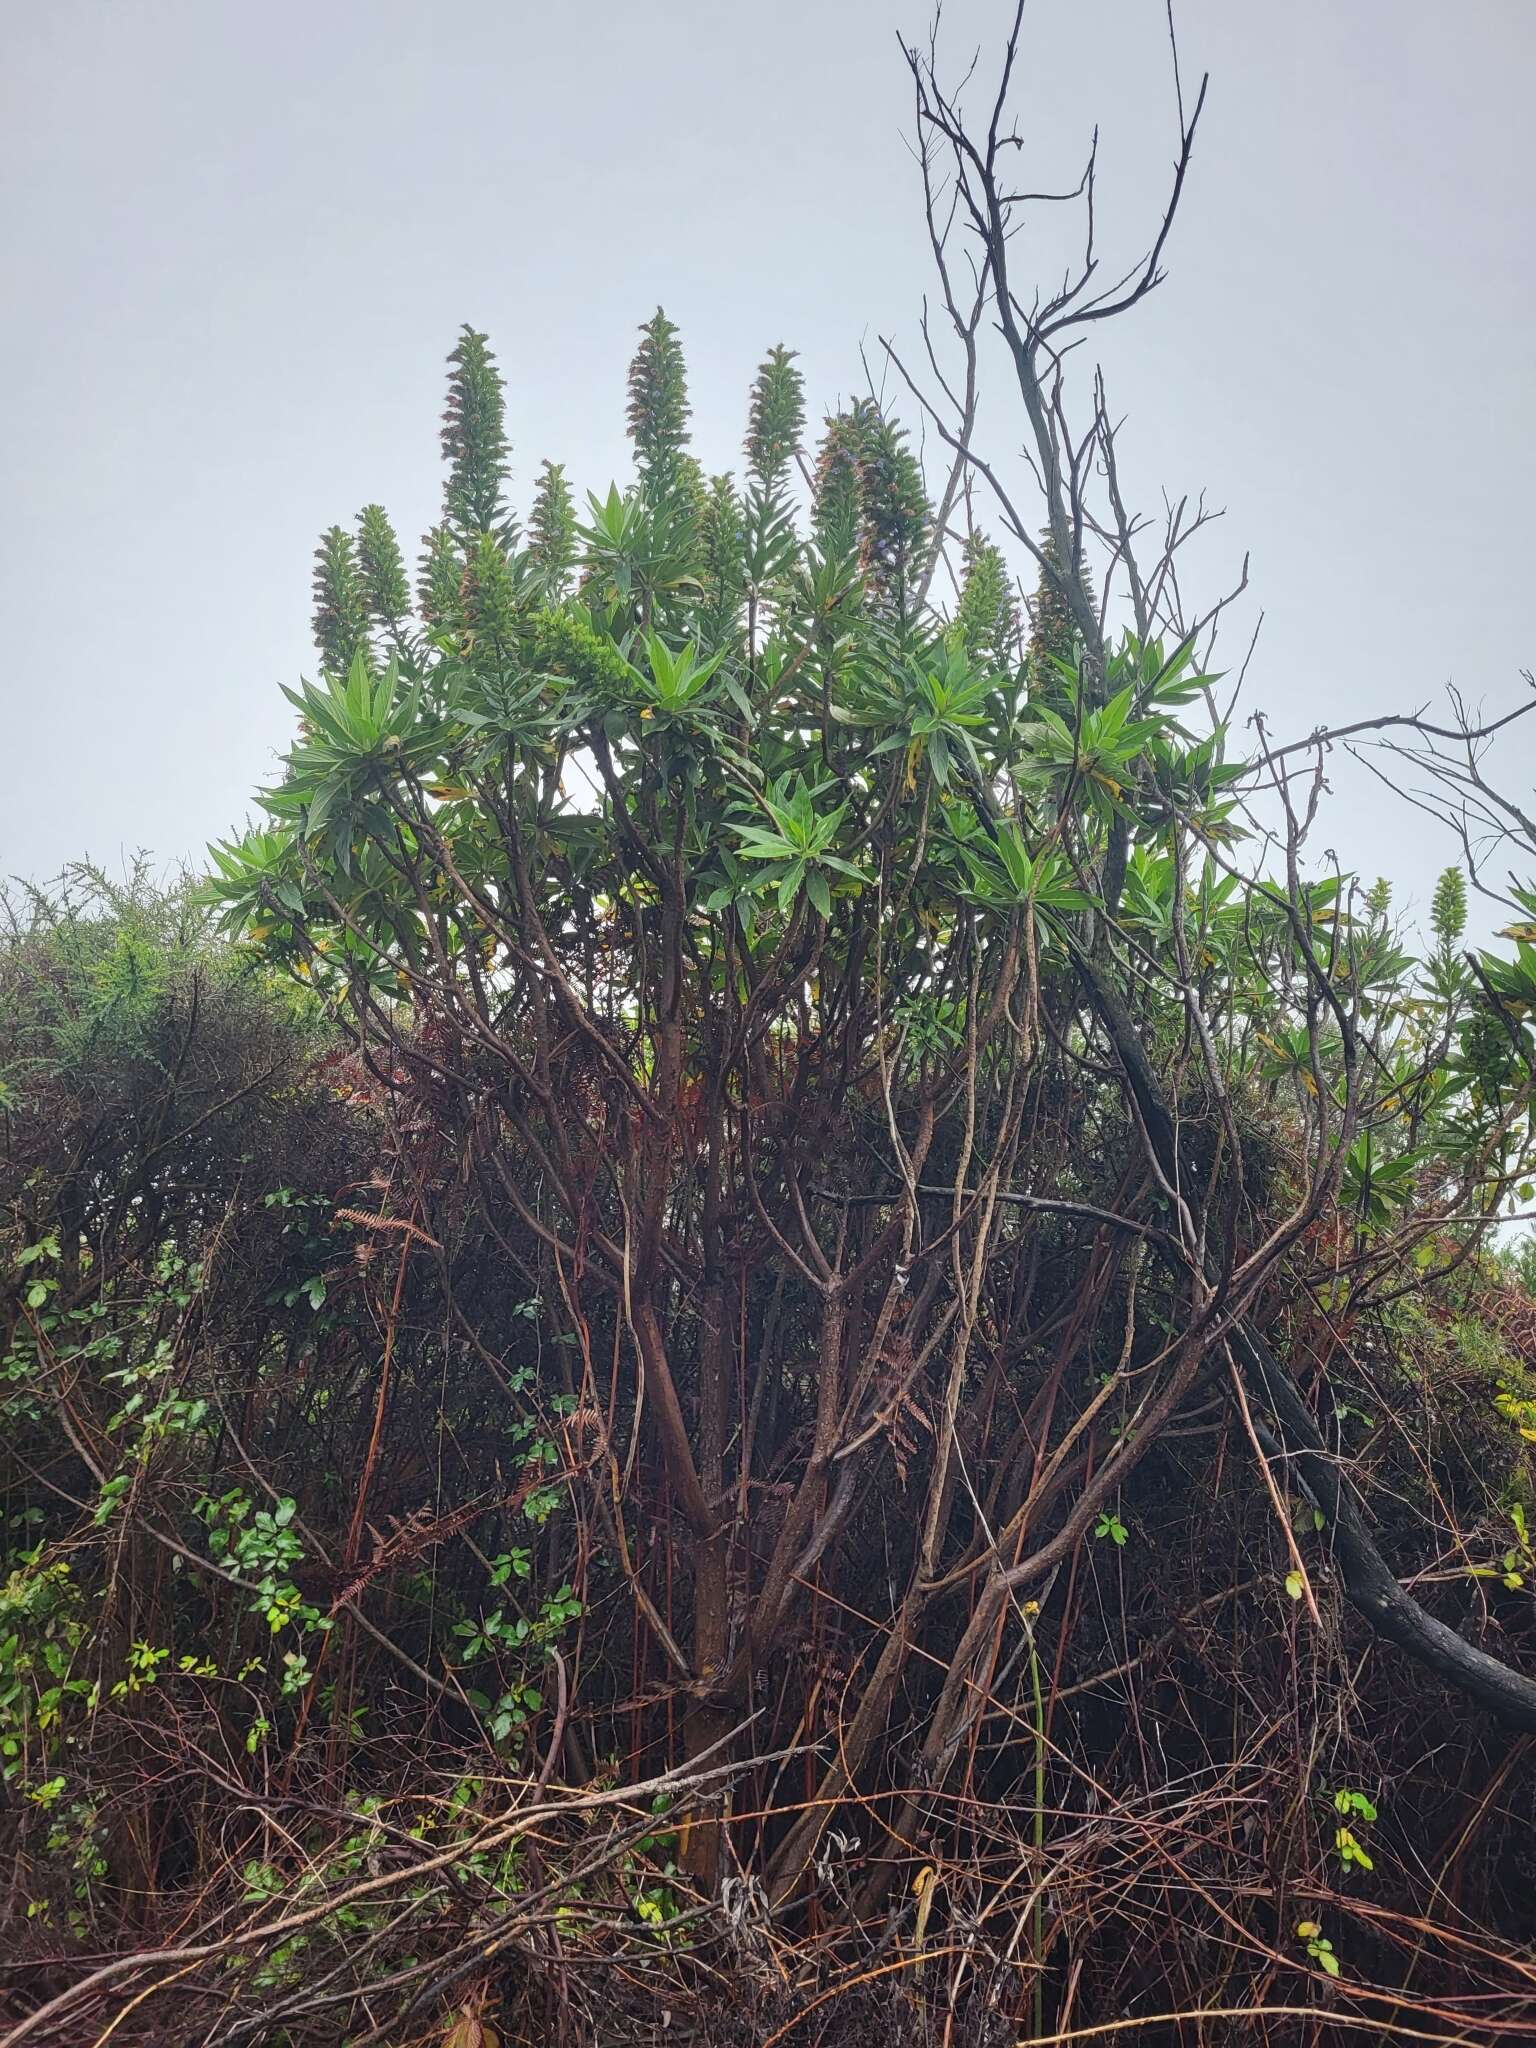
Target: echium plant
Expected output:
[731,901]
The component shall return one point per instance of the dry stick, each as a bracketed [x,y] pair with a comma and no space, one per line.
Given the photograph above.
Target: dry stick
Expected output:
[354,1533]
[1382,2028]
[1281,1516]
[931,1955]
[1129,1664]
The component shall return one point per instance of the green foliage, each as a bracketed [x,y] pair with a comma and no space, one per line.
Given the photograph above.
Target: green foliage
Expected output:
[1319,1947]
[795,845]
[766,705]
[1352,1806]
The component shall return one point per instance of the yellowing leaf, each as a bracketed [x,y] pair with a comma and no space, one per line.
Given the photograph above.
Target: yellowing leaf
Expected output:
[1293,1584]
[469,2032]
[924,1884]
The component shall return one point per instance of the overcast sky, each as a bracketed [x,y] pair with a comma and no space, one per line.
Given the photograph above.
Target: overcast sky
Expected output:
[237,241]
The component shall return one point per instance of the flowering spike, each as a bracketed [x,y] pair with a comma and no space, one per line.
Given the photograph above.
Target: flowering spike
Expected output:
[552,527]
[987,617]
[839,494]
[488,596]
[776,419]
[474,439]
[896,512]
[658,402]
[1448,910]
[722,537]
[341,605]
[439,573]
[1055,636]
[382,566]
[869,490]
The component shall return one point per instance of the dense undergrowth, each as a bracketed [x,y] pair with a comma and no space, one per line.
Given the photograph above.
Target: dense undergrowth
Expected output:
[310,1578]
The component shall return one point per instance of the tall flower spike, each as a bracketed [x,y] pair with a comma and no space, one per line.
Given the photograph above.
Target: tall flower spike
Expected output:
[896,512]
[839,495]
[658,402]
[776,419]
[1054,637]
[552,527]
[382,566]
[721,535]
[439,573]
[987,616]
[869,491]
[488,596]
[475,444]
[341,605]
[1448,910]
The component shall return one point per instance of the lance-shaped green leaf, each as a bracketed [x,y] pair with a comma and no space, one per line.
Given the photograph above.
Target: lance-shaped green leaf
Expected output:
[1006,876]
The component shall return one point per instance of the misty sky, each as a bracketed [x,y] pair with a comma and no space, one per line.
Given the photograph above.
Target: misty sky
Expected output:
[237,241]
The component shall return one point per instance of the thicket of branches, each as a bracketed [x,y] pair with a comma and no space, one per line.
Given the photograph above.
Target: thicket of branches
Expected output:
[779,1313]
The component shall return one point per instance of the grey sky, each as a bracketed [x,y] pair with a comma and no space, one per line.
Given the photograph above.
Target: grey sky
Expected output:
[237,241]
